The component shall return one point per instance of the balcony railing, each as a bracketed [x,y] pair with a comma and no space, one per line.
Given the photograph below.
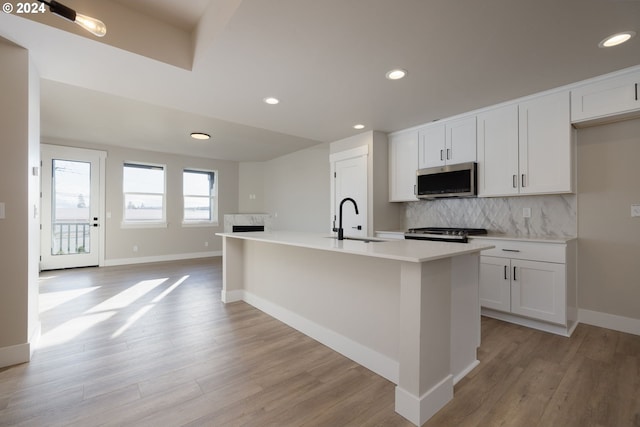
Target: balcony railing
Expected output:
[69,238]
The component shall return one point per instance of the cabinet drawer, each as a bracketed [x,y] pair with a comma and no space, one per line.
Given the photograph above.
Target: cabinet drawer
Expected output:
[533,251]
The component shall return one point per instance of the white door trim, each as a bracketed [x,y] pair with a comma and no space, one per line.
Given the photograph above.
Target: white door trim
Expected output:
[62,151]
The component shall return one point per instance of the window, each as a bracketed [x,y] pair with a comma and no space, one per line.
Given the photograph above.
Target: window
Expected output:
[144,194]
[200,196]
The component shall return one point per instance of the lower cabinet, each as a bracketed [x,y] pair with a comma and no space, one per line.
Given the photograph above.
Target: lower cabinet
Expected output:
[530,283]
[529,288]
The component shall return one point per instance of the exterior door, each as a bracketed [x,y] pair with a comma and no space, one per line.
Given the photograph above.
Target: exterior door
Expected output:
[72,206]
[350,179]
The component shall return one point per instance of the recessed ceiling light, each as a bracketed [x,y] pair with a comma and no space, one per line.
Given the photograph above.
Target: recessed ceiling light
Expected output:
[396,74]
[616,39]
[358,126]
[271,100]
[200,135]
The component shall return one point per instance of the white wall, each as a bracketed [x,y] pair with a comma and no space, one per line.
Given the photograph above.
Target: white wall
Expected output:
[251,187]
[608,238]
[19,190]
[297,190]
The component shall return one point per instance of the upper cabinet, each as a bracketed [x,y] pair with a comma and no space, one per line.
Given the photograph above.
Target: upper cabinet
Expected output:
[607,99]
[447,142]
[526,148]
[403,163]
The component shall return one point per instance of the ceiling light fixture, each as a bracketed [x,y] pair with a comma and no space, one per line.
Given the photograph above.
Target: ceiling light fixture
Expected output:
[94,26]
[617,39]
[396,74]
[200,135]
[271,100]
[358,126]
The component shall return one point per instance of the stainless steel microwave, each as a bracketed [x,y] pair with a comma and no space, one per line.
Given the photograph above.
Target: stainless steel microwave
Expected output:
[447,181]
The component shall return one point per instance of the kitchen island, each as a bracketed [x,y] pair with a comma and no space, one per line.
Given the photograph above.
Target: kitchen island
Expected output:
[408,310]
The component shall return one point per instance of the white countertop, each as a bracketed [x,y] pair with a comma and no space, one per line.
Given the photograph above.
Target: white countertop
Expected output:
[399,250]
[541,239]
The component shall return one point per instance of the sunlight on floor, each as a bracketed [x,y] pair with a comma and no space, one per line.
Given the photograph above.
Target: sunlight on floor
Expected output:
[101,312]
[137,315]
[72,328]
[128,296]
[50,300]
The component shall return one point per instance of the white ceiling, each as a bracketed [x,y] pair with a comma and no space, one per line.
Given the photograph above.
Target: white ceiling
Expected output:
[325,60]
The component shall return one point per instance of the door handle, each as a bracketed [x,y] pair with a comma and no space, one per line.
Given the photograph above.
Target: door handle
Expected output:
[505,273]
[448,153]
[523,181]
[441,154]
[515,181]
[514,273]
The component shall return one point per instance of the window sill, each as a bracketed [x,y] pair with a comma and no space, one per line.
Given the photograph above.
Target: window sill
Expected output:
[144,225]
[200,224]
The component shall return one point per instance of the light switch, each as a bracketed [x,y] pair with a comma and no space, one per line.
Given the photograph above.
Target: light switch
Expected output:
[2,210]
[635,211]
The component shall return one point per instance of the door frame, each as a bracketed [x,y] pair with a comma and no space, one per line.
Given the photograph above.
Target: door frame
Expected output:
[61,151]
[361,151]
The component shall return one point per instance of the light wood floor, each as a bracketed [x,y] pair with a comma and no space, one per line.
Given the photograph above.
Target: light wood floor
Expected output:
[153,345]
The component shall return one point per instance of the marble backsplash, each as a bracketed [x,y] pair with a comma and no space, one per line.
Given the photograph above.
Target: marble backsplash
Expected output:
[551,216]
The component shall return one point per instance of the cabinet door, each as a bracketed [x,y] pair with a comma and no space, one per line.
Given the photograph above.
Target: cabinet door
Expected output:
[545,145]
[538,290]
[609,97]
[403,163]
[432,146]
[498,151]
[460,141]
[495,286]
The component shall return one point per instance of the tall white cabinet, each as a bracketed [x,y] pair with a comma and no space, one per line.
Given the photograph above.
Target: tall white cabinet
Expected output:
[526,148]
[403,163]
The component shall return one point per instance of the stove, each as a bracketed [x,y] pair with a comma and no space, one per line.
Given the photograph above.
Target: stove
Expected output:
[444,234]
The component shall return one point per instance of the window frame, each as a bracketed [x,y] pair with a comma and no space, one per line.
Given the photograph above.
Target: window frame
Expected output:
[145,223]
[213,199]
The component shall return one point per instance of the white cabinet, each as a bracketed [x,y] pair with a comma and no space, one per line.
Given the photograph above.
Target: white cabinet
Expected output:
[447,142]
[526,148]
[498,152]
[538,290]
[528,283]
[403,163]
[605,100]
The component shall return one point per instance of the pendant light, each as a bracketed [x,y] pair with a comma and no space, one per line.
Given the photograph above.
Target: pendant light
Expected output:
[94,26]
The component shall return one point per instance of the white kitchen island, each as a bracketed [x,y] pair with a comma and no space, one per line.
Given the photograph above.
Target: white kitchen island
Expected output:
[408,310]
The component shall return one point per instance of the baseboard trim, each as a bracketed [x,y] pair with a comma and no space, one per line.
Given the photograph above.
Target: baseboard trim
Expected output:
[232,296]
[35,338]
[465,371]
[565,331]
[370,359]
[160,258]
[15,354]
[419,409]
[610,321]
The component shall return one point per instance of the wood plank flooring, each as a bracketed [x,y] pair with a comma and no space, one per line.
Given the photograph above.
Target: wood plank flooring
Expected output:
[152,345]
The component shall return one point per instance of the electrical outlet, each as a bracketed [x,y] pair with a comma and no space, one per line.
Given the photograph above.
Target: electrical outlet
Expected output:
[526,212]
[635,211]
[206,244]
[135,248]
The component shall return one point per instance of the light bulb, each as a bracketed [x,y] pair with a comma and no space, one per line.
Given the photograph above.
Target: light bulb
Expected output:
[94,26]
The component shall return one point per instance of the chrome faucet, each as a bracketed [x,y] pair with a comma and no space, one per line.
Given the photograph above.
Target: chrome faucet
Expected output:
[340,230]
